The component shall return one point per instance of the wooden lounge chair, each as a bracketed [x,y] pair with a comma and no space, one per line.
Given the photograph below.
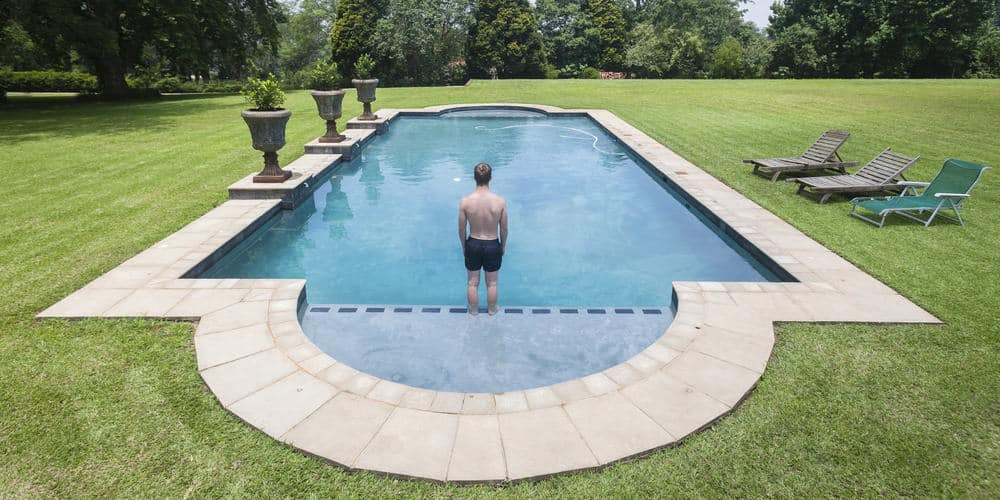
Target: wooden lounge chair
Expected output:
[881,174]
[949,188]
[821,155]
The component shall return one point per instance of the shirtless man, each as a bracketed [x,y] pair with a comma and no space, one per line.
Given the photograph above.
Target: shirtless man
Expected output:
[483,211]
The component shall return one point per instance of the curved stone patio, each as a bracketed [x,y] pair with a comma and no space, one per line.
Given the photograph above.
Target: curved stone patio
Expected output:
[255,358]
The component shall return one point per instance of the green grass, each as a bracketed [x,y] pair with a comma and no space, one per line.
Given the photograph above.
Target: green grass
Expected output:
[102,407]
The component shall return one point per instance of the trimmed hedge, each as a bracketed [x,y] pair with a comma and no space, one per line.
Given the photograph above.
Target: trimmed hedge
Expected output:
[176,85]
[46,81]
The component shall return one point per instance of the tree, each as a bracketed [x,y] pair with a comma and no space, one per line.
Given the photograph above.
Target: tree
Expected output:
[667,53]
[677,37]
[112,35]
[305,38]
[505,35]
[353,31]
[419,38]
[568,33]
[987,52]
[727,62]
[606,17]
[713,20]
[888,38]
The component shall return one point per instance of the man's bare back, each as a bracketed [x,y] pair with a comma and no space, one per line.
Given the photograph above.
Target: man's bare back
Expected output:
[482,229]
[484,210]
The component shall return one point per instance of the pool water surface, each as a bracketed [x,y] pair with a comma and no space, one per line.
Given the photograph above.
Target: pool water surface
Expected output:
[588,225]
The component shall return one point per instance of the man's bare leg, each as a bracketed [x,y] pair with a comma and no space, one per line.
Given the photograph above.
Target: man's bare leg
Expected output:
[491,291]
[473,292]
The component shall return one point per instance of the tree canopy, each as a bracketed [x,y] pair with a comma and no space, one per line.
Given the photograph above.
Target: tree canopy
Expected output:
[505,35]
[305,38]
[418,39]
[427,42]
[113,36]
[353,31]
[888,38]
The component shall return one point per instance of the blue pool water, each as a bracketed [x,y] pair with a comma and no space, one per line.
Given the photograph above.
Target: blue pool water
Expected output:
[591,231]
[588,225]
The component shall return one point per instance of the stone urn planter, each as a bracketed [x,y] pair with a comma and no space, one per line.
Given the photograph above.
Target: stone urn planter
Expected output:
[267,130]
[330,106]
[366,96]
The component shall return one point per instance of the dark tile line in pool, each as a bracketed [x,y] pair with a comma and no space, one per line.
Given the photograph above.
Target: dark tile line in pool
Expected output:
[506,310]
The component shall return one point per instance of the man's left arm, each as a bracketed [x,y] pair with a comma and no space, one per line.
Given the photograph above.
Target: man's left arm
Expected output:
[503,229]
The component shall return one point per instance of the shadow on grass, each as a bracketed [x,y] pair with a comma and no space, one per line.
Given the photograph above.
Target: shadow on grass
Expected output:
[44,117]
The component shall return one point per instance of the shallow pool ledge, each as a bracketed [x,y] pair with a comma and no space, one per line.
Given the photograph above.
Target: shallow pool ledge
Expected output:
[254,357]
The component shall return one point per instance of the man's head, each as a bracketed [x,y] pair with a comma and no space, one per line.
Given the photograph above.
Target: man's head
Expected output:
[483,174]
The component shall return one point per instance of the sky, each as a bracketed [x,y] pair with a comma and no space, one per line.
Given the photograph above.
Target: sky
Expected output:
[757,12]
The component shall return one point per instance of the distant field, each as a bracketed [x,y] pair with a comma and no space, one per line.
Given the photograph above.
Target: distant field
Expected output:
[842,410]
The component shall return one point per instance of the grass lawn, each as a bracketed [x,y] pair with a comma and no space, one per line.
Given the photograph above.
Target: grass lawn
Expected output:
[107,407]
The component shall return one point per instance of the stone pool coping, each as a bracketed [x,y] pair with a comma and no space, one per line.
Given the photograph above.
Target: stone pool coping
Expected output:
[255,358]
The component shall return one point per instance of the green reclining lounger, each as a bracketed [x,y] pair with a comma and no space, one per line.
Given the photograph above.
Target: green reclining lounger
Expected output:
[821,155]
[952,185]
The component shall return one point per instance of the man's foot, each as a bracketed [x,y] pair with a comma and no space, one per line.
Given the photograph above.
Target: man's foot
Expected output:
[473,310]
[493,310]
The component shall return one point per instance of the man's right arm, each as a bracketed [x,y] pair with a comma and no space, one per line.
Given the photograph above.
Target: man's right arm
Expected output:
[461,225]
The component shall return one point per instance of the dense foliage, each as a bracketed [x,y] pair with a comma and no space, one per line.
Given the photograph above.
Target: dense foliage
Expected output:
[112,37]
[175,46]
[305,38]
[353,31]
[889,38]
[421,42]
[505,37]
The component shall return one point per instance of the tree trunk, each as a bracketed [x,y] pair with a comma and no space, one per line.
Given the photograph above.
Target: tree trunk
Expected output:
[111,75]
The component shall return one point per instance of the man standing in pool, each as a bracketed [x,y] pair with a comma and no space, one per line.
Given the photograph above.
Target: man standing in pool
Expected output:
[484,212]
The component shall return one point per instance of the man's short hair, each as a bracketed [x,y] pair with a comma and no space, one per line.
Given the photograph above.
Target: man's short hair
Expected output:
[483,174]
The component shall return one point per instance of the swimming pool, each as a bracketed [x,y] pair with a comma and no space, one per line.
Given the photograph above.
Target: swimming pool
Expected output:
[588,225]
[591,228]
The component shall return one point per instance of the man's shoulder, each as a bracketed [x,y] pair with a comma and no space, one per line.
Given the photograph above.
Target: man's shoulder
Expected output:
[499,199]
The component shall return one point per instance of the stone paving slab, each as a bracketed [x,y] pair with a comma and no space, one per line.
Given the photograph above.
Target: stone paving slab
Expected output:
[255,358]
[412,443]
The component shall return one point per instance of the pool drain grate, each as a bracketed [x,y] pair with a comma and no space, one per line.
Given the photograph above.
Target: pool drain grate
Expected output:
[505,310]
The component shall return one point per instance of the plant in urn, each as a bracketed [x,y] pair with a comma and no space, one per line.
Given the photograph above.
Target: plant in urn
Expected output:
[267,122]
[366,84]
[325,82]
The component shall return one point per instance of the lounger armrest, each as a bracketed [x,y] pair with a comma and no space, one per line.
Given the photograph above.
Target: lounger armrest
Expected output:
[950,195]
[911,187]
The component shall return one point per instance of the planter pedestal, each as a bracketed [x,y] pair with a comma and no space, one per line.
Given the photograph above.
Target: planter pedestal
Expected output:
[331,136]
[272,172]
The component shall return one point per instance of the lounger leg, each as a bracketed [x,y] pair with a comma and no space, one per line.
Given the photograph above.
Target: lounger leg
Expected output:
[802,187]
[857,214]
[931,218]
[825,197]
[954,207]
[774,178]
